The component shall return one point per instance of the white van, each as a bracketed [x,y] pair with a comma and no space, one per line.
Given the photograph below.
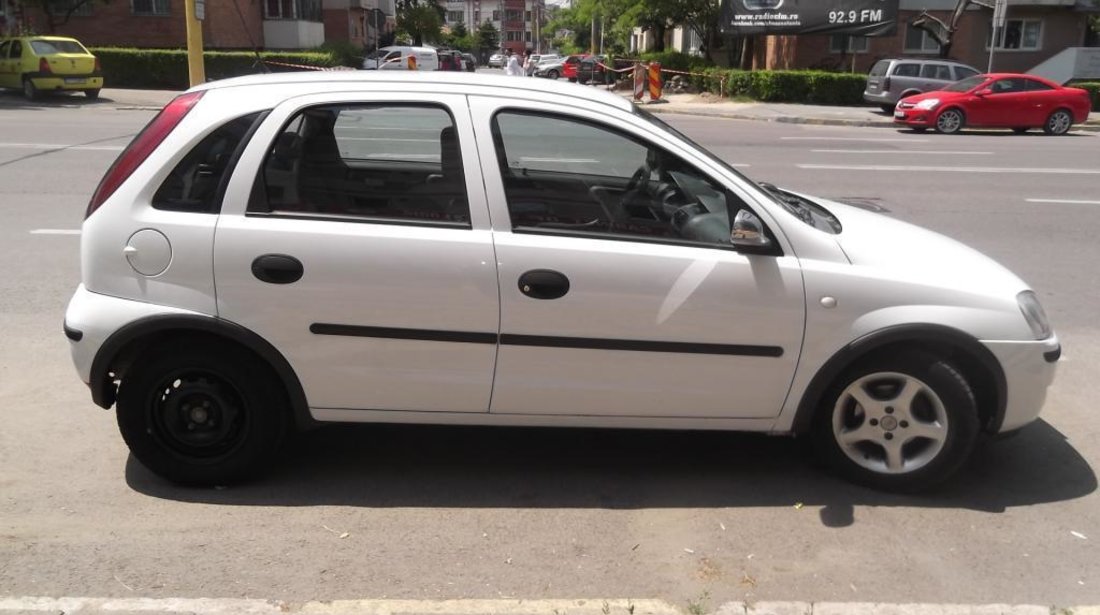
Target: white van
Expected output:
[397,58]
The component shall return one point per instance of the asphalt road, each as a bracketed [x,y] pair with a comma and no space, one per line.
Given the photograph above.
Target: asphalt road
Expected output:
[487,513]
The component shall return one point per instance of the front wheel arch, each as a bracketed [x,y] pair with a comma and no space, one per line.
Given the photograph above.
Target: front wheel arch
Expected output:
[977,363]
[124,346]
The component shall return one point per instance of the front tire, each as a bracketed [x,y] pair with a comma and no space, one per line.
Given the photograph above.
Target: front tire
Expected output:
[900,422]
[950,121]
[202,413]
[1058,123]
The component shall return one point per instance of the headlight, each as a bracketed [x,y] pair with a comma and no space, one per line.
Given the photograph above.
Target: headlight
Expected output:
[1034,315]
[928,104]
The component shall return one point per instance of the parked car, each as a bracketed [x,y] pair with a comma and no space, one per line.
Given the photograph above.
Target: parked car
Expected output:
[496,60]
[450,60]
[570,65]
[397,58]
[591,69]
[562,67]
[37,64]
[598,269]
[1002,100]
[469,62]
[893,79]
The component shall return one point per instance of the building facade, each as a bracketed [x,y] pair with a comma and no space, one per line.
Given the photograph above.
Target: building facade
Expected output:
[519,22]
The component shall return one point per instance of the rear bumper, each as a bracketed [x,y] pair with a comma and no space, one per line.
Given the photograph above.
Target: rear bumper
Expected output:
[1029,369]
[91,81]
[879,98]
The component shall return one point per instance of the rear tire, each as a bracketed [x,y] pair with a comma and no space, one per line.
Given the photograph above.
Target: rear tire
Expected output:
[900,422]
[202,413]
[553,74]
[887,108]
[30,91]
[92,94]
[1058,123]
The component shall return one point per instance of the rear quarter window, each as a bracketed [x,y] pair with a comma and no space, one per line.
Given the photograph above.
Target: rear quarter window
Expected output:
[879,69]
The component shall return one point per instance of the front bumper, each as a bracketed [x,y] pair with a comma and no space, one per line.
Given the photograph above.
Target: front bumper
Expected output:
[915,117]
[1029,369]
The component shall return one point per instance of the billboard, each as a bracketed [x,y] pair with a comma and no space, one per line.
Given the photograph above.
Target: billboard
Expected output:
[852,17]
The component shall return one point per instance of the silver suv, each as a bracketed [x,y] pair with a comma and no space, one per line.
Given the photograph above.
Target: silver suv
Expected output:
[894,79]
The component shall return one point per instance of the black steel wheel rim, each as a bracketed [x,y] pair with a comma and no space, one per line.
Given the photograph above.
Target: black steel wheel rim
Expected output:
[198,414]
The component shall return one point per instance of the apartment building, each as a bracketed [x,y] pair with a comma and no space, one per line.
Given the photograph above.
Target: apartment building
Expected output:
[518,21]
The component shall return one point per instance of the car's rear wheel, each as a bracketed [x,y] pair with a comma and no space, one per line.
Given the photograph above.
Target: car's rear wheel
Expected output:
[92,94]
[30,91]
[1020,130]
[1058,123]
[887,108]
[202,414]
[553,74]
[903,421]
[950,121]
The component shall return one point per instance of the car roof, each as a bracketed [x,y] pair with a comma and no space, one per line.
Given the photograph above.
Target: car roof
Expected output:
[321,81]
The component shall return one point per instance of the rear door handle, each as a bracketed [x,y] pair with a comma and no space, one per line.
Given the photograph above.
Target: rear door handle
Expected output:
[277,269]
[544,284]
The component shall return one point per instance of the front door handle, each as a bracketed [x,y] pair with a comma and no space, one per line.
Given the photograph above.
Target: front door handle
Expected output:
[543,284]
[277,269]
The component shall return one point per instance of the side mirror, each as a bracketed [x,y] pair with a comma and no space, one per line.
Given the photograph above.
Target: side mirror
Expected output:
[748,232]
[983,92]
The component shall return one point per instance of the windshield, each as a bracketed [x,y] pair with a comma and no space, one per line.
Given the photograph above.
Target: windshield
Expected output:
[807,211]
[966,84]
[377,54]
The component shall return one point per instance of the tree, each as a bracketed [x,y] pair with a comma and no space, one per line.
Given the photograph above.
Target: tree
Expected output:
[420,20]
[944,33]
[58,12]
[487,37]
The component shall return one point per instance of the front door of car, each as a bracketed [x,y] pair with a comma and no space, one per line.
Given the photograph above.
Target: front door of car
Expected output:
[354,237]
[9,70]
[621,294]
[1008,104]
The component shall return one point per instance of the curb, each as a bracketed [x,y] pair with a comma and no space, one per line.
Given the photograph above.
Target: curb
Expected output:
[211,606]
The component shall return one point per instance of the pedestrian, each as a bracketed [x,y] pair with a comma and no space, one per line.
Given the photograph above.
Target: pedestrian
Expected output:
[513,67]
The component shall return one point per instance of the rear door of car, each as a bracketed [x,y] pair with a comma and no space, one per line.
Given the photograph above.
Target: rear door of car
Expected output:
[621,294]
[935,75]
[905,77]
[355,239]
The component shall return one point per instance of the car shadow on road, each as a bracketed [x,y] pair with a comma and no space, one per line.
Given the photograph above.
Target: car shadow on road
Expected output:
[12,99]
[457,467]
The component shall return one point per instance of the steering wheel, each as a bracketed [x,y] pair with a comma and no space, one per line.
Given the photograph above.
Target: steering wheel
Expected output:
[640,177]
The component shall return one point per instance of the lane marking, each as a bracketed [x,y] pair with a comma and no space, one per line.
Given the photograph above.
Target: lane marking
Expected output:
[900,151]
[870,167]
[55,231]
[1064,201]
[868,139]
[62,146]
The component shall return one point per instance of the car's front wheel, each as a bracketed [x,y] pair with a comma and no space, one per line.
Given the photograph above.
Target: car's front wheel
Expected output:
[887,108]
[30,91]
[202,413]
[903,422]
[950,121]
[1058,123]
[553,74]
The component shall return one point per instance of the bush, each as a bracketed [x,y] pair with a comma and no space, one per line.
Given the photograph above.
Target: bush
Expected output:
[1093,88]
[166,69]
[675,60]
[801,86]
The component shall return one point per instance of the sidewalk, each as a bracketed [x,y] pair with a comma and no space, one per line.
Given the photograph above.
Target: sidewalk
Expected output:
[707,105]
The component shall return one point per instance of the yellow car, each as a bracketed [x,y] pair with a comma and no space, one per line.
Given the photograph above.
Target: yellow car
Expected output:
[39,64]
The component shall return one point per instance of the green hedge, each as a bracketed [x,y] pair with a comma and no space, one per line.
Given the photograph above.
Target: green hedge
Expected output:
[166,69]
[676,60]
[1093,88]
[791,86]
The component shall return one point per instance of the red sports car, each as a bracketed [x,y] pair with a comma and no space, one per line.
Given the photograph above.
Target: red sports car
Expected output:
[998,100]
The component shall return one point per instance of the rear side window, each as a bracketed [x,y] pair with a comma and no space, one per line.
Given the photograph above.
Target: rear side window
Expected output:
[962,72]
[195,184]
[1037,86]
[936,71]
[16,50]
[383,163]
[907,69]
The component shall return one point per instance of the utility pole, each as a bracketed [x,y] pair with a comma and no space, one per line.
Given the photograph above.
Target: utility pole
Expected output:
[999,11]
[194,12]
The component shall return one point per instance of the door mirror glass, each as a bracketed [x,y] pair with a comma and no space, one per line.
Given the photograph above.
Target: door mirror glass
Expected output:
[748,231]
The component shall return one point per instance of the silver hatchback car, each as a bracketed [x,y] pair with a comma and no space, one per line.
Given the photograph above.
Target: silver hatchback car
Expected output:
[891,80]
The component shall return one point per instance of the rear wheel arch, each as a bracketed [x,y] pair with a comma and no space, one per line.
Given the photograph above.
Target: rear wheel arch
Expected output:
[977,363]
[127,344]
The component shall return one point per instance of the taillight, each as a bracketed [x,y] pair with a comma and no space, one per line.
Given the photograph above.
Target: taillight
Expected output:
[139,149]
[44,66]
[98,66]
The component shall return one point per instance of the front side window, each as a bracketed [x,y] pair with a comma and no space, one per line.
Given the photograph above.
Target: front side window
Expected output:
[387,163]
[1021,34]
[4,49]
[194,184]
[1008,86]
[150,7]
[566,175]
[16,50]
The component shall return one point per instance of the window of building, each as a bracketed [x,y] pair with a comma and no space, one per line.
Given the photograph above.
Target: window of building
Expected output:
[567,175]
[62,7]
[150,7]
[1020,34]
[496,15]
[527,17]
[513,15]
[455,16]
[920,41]
[513,36]
[843,43]
[347,162]
[195,184]
[527,36]
[305,10]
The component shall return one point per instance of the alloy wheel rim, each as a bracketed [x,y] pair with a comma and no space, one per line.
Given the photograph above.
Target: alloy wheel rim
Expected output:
[1059,122]
[949,121]
[890,423]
